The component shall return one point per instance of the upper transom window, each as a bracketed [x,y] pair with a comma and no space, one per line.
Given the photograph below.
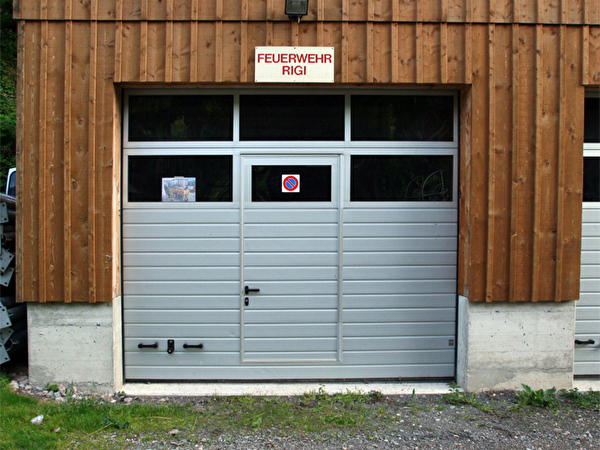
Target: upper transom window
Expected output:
[402,118]
[292,117]
[180,118]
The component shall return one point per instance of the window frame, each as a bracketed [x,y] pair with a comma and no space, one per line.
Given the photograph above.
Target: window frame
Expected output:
[266,145]
[345,148]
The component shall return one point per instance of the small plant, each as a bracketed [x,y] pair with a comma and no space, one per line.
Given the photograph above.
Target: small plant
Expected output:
[52,387]
[583,400]
[540,398]
[375,396]
[109,422]
[415,408]
[456,397]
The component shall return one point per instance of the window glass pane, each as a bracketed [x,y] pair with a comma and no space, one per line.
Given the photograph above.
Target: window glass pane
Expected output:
[402,118]
[592,120]
[401,178]
[212,177]
[591,179]
[181,118]
[12,185]
[292,117]
[314,184]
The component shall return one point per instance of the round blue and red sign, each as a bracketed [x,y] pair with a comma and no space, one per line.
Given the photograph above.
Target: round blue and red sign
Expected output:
[290,183]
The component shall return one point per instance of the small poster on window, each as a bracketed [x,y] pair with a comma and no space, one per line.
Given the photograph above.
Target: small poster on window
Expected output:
[179,189]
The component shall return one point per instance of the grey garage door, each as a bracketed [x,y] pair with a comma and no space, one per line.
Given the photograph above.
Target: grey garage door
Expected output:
[296,262]
[587,326]
[587,329]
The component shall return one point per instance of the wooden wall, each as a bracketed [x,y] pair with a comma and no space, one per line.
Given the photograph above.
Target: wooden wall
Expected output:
[521,67]
[463,11]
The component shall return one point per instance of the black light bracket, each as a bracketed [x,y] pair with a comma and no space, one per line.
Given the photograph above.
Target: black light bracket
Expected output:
[295,9]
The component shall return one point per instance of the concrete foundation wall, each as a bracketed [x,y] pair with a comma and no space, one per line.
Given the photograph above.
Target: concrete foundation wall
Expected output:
[504,345]
[500,345]
[71,343]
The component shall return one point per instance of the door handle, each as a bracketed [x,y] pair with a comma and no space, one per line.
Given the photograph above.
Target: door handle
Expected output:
[186,345]
[589,341]
[142,345]
[248,290]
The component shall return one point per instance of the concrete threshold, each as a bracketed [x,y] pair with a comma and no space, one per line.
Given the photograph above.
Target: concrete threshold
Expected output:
[586,384]
[280,389]
[300,388]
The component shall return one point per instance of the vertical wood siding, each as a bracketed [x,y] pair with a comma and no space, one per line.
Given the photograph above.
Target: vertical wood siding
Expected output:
[522,68]
[573,12]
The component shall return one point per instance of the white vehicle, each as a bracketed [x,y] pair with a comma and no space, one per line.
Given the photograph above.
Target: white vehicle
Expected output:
[11,182]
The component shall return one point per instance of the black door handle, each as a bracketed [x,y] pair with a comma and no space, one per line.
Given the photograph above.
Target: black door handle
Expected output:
[247,290]
[155,345]
[186,345]
[589,341]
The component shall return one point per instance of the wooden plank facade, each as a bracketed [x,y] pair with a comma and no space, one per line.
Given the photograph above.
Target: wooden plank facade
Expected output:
[521,67]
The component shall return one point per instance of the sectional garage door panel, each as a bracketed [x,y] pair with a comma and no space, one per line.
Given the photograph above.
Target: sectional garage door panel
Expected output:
[401,244]
[421,215]
[428,300]
[393,329]
[400,280]
[274,371]
[167,330]
[180,282]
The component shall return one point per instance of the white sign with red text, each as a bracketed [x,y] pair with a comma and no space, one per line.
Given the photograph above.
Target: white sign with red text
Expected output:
[294,64]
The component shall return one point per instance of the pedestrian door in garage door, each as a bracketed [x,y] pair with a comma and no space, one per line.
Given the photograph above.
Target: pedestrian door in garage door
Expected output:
[290,258]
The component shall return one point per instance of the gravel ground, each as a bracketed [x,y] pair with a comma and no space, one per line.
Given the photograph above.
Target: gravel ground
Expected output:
[486,421]
[425,422]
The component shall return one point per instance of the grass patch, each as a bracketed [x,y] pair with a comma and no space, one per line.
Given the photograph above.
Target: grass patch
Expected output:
[584,400]
[88,423]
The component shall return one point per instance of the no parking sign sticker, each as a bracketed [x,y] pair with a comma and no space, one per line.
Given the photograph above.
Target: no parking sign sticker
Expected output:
[290,183]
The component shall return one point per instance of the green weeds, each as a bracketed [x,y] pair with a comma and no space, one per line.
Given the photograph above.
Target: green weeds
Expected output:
[457,397]
[584,400]
[540,398]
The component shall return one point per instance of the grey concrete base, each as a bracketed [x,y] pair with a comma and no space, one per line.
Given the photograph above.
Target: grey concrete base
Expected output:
[504,345]
[500,346]
[71,343]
